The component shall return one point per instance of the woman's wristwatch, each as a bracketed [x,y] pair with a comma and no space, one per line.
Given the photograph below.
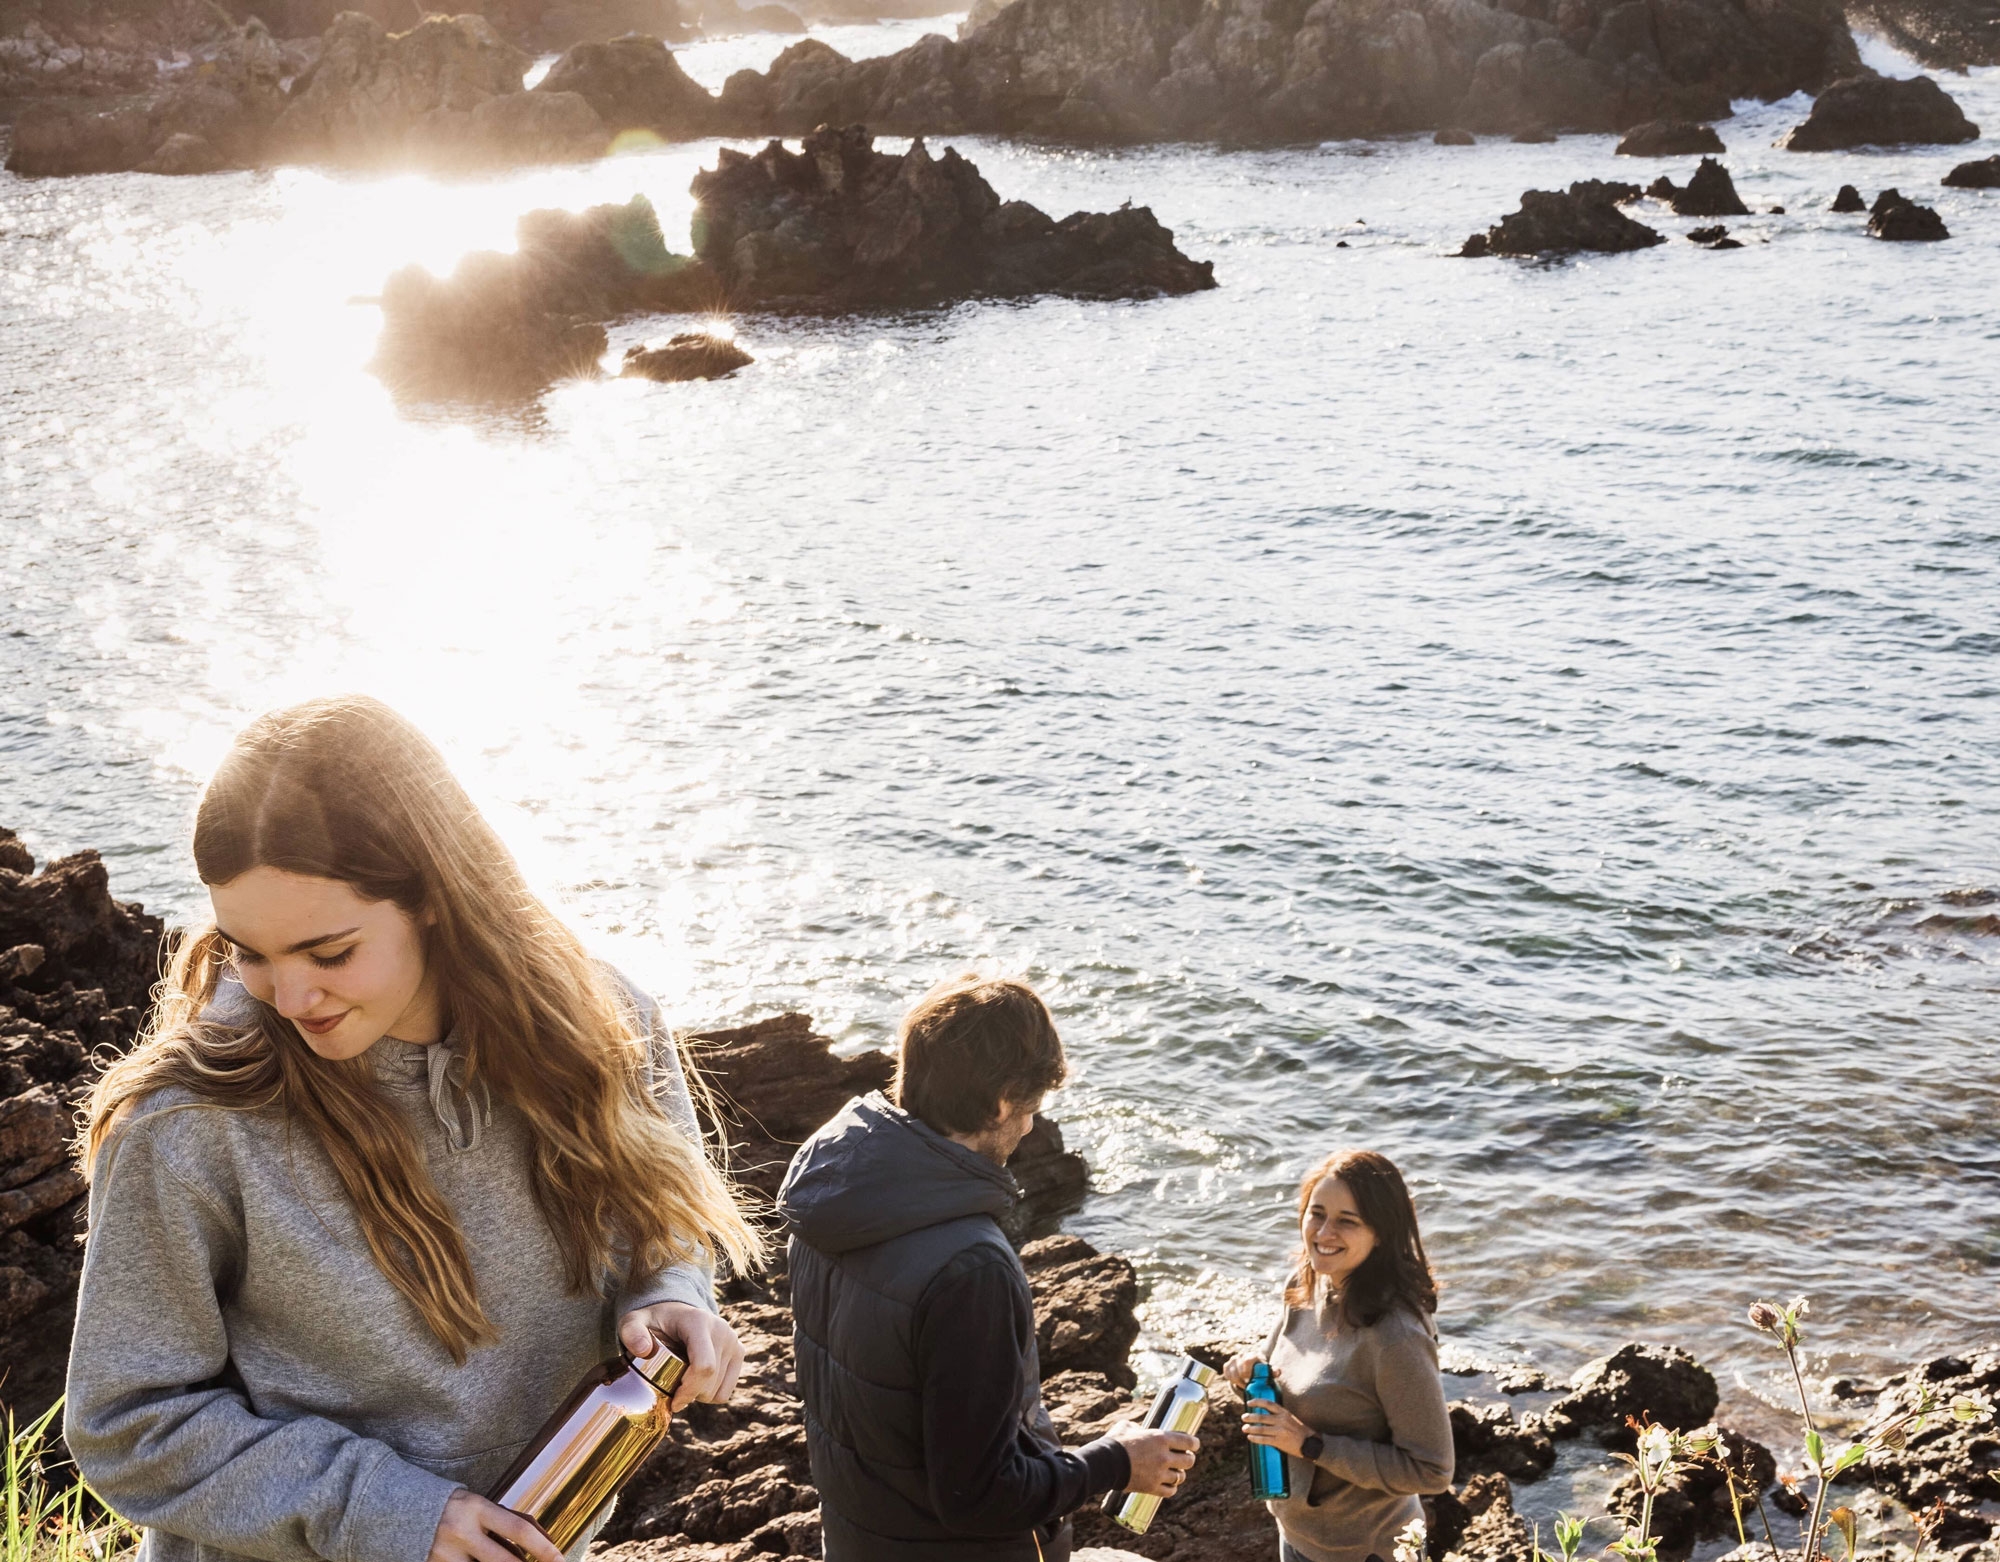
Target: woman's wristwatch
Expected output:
[1312,1448]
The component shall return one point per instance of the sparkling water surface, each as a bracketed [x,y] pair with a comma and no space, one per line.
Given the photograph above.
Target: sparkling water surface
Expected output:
[1539,720]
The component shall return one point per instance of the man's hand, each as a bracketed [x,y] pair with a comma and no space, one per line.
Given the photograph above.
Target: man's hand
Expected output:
[472,1529]
[713,1354]
[1160,1460]
[1239,1368]
[1275,1427]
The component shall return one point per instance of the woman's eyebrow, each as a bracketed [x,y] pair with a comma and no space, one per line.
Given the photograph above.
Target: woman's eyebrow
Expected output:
[296,949]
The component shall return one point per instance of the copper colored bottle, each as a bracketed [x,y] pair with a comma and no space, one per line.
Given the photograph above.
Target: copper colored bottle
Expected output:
[591,1446]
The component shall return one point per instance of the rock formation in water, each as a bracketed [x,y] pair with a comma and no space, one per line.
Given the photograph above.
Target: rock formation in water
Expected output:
[1669,138]
[686,355]
[1562,222]
[1716,237]
[1939,34]
[839,225]
[1848,199]
[1881,111]
[76,971]
[634,83]
[503,327]
[1710,193]
[1982,173]
[1895,216]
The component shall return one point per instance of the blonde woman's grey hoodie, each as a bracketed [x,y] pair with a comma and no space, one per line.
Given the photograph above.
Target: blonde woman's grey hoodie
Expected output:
[244,1380]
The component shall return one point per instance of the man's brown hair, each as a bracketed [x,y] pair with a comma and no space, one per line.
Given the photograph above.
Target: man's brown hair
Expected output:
[971,1043]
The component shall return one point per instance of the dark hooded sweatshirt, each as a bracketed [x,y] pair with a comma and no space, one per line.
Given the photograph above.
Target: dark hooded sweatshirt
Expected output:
[914,1331]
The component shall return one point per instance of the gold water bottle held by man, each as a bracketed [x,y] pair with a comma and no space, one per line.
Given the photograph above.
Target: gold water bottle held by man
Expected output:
[1178,1407]
[591,1446]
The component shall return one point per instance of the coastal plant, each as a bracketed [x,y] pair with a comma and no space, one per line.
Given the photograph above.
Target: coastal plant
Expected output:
[1825,1463]
[1412,1542]
[1659,1454]
[54,1520]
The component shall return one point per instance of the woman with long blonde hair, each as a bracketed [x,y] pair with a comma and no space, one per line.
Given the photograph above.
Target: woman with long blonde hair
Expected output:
[395,1163]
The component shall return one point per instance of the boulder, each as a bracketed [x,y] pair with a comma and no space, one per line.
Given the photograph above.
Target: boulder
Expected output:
[516,128]
[1660,1383]
[634,83]
[1895,216]
[1486,1439]
[1881,111]
[392,99]
[687,355]
[839,225]
[1556,222]
[1084,1312]
[1980,174]
[504,327]
[182,153]
[1939,34]
[1477,1523]
[1848,200]
[1710,193]
[1451,136]
[1716,237]
[1948,1462]
[1669,138]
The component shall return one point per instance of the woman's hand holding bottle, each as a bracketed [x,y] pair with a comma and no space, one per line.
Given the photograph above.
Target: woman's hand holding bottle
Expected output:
[1239,1368]
[475,1530]
[1275,1426]
[713,1353]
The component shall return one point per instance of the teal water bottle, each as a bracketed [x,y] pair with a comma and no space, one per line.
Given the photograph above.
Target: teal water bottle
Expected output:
[1268,1478]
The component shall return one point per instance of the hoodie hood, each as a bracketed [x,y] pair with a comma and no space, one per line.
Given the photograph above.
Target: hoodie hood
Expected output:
[876,1172]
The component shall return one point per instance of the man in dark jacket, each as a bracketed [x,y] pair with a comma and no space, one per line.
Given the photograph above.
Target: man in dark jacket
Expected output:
[914,1327]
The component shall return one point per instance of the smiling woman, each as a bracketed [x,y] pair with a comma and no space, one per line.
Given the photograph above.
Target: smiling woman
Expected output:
[397,1162]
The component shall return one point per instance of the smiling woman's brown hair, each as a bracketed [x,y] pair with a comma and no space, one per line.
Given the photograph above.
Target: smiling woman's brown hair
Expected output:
[1396,1271]
[346,789]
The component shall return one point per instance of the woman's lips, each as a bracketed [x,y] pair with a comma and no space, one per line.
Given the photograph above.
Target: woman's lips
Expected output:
[321,1027]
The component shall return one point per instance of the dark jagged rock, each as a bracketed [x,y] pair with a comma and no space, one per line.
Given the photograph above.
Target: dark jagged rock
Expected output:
[1710,193]
[76,971]
[634,83]
[1451,136]
[1881,111]
[1084,1317]
[1980,174]
[1716,237]
[1669,138]
[1848,200]
[1895,216]
[1476,1522]
[1552,222]
[687,355]
[1616,191]
[1939,34]
[1486,1439]
[1660,1383]
[503,327]
[1948,1461]
[1695,1503]
[840,225]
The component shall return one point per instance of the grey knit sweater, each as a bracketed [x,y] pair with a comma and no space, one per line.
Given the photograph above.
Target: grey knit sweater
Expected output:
[246,1383]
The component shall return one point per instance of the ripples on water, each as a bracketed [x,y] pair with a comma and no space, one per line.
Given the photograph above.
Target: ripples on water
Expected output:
[1530,718]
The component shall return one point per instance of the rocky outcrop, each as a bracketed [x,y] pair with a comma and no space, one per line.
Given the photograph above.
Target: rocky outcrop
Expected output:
[1710,193]
[1669,138]
[838,225]
[1848,199]
[1938,34]
[1660,1383]
[1487,1440]
[687,355]
[1881,111]
[634,84]
[1895,216]
[1980,174]
[1716,237]
[1559,222]
[504,327]
[1947,1461]
[76,969]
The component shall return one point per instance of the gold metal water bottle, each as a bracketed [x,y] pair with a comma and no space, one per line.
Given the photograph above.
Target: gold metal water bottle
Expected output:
[1178,1407]
[591,1446]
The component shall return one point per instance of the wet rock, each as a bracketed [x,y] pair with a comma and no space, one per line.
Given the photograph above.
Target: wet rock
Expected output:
[502,327]
[1563,222]
[1950,1462]
[1848,200]
[1716,237]
[634,83]
[1895,216]
[1710,193]
[1939,34]
[1660,1383]
[377,98]
[840,225]
[1981,174]
[1881,111]
[1486,1439]
[1477,1523]
[688,355]
[1669,138]
[1522,1380]
[1454,137]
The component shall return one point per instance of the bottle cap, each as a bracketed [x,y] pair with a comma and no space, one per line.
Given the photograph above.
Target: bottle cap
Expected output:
[1199,1372]
[660,1366]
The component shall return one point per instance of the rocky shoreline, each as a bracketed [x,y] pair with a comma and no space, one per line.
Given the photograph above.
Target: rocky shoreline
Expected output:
[733,1484]
[191,91]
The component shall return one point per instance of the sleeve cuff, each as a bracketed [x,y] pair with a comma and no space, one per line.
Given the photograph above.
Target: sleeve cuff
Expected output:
[689,1283]
[1109,1464]
[394,1517]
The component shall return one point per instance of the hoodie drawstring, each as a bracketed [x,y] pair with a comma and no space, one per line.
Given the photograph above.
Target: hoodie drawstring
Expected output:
[463,1109]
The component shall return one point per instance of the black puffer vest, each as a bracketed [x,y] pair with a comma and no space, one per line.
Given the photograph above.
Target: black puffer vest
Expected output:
[879,1203]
